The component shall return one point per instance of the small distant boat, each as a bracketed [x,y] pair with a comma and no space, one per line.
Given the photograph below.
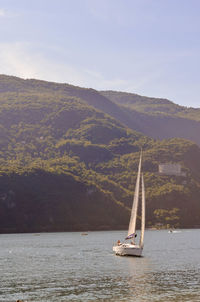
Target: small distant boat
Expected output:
[84,234]
[173,231]
[133,249]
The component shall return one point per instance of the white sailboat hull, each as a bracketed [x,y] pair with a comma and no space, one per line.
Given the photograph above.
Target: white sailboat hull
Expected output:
[127,249]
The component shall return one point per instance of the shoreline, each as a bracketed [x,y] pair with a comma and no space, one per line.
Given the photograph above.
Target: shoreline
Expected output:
[38,232]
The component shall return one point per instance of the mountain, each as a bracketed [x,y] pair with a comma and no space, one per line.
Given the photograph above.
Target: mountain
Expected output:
[68,162]
[154,117]
[158,118]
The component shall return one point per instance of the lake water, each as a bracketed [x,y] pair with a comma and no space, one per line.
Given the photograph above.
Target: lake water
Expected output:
[70,267]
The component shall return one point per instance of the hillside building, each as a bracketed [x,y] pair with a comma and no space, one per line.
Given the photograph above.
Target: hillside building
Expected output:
[171,169]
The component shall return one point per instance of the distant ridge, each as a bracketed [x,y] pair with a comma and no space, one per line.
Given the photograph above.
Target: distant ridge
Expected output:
[154,117]
[158,118]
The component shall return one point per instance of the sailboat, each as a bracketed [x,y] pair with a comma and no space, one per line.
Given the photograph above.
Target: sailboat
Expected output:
[132,248]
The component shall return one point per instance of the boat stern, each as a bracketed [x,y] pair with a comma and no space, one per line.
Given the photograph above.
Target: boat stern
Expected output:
[128,250]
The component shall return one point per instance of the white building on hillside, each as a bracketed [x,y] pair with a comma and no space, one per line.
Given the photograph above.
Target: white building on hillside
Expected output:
[171,169]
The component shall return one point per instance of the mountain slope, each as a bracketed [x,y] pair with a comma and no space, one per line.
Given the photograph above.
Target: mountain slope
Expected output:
[158,118]
[67,165]
[152,105]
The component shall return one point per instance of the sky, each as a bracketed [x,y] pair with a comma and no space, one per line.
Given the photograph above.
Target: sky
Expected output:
[148,47]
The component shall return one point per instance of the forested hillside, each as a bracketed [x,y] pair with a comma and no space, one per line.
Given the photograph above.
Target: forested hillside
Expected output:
[158,118]
[67,163]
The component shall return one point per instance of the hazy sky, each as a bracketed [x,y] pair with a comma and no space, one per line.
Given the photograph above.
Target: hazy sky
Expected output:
[149,47]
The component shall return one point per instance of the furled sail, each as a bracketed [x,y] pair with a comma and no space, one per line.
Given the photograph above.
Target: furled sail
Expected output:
[132,223]
[142,214]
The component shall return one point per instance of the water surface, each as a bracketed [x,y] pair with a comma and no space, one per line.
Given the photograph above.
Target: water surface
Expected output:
[70,267]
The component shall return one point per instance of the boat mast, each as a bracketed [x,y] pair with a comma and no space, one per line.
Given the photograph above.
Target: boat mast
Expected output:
[142,214]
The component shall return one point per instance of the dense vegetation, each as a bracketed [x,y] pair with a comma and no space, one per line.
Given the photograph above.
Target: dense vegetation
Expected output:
[66,164]
[158,118]
[153,106]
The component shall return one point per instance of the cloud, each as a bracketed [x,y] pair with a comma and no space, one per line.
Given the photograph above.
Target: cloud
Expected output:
[131,13]
[98,80]
[145,77]
[15,60]
[26,61]
[20,59]
[2,12]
